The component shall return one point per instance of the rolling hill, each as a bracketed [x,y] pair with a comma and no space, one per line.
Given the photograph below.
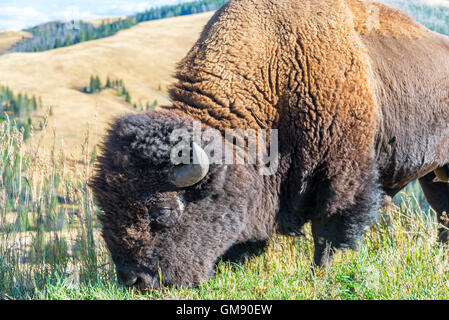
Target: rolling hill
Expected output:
[8,38]
[143,56]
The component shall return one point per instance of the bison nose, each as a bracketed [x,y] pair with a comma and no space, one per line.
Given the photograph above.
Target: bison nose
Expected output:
[132,277]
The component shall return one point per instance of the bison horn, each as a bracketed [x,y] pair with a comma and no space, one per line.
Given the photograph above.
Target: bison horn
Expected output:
[188,174]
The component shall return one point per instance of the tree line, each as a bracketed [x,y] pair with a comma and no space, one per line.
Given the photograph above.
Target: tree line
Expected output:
[96,85]
[54,35]
[18,109]
[179,10]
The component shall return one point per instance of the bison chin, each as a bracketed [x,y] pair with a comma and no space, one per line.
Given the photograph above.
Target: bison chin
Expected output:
[142,279]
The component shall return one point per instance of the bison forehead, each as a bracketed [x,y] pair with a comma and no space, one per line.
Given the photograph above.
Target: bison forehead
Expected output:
[145,137]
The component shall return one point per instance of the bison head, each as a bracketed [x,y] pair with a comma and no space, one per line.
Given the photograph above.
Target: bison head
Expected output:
[168,223]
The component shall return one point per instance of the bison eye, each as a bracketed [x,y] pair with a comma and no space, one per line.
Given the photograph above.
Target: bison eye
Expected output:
[164,217]
[165,211]
[161,212]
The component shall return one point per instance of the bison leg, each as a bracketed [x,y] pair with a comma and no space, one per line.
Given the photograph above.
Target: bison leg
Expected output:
[240,252]
[344,229]
[437,194]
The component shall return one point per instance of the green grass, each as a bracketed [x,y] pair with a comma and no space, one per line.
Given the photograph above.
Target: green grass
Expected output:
[398,260]
[50,247]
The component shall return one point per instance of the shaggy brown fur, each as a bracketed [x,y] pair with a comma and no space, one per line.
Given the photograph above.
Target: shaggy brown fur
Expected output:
[349,102]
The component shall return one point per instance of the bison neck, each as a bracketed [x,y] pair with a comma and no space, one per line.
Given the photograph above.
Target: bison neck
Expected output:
[412,78]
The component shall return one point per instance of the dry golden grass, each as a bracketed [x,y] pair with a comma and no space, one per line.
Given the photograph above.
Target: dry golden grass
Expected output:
[8,38]
[143,56]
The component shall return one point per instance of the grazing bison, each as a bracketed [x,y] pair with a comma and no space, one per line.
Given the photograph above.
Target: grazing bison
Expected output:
[359,95]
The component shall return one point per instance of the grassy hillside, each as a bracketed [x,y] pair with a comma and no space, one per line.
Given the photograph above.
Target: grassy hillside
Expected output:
[8,38]
[53,35]
[145,64]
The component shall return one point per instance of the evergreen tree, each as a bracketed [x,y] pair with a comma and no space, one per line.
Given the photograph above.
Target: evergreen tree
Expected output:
[154,104]
[127,97]
[18,109]
[98,85]
[108,82]
[34,103]
[92,84]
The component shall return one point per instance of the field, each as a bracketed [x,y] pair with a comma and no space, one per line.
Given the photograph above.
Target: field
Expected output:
[58,75]
[8,38]
[50,243]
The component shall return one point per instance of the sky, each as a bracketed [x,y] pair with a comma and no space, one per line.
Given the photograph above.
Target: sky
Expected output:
[20,14]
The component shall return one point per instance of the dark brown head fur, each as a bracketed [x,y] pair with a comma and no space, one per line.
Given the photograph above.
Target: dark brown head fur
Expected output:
[152,227]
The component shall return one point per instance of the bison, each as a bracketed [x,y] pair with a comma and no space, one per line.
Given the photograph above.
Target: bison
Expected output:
[358,94]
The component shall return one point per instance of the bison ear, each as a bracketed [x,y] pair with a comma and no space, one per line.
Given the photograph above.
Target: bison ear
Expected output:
[187,175]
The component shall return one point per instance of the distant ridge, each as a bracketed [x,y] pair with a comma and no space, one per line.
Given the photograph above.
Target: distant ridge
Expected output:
[8,38]
[144,56]
[56,34]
